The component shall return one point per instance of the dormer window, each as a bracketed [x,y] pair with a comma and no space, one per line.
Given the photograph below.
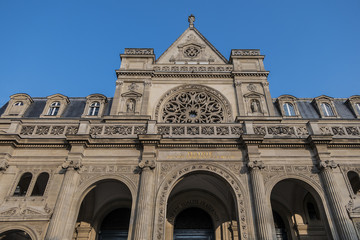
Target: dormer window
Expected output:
[289,109]
[19,103]
[327,110]
[94,109]
[357,105]
[54,109]
[17,106]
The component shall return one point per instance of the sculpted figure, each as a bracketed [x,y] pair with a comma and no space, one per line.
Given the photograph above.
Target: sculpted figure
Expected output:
[130,106]
[255,106]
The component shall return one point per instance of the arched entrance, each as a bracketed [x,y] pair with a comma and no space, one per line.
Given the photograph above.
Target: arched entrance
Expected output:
[105,212]
[193,223]
[202,206]
[297,211]
[14,235]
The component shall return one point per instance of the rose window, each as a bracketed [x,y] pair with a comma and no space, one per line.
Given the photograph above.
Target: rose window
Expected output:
[194,106]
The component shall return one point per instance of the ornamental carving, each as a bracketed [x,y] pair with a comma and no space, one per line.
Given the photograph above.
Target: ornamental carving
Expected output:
[27,130]
[42,130]
[338,131]
[164,130]
[260,130]
[193,104]
[352,131]
[280,130]
[72,130]
[57,130]
[192,51]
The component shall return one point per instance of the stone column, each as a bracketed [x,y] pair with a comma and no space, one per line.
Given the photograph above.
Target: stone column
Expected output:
[262,208]
[239,98]
[145,206]
[60,225]
[344,225]
[145,100]
[115,107]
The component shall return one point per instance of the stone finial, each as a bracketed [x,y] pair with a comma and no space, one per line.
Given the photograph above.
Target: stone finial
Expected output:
[191,20]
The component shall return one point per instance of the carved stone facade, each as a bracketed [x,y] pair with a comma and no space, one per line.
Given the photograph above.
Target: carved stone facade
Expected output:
[191,144]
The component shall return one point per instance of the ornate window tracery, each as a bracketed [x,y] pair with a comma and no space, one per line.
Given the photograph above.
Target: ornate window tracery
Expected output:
[194,104]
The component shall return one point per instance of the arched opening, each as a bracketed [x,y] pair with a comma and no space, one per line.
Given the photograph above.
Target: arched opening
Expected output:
[105,212]
[297,211]
[354,181]
[14,235]
[40,184]
[23,185]
[202,206]
[193,223]
[115,225]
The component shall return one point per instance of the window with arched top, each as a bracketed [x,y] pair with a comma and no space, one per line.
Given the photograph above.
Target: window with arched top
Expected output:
[354,181]
[54,109]
[327,110]
[23,185]
[289,109]
[94,109]
[19,103]
[40,185]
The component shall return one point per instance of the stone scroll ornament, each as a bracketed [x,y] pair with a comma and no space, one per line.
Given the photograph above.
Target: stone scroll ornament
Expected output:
[3,165]
[327,164]
[194,106]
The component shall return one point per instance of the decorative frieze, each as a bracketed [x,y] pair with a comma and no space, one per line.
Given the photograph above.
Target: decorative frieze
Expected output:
[245,52]
[139,51]
[201,68]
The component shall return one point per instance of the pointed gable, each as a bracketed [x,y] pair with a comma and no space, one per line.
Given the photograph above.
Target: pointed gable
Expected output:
[192,47]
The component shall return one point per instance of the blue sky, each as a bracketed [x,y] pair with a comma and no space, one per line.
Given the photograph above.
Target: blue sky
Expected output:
[72,47]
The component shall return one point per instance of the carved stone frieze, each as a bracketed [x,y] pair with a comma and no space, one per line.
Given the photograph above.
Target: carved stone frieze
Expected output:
[57,130]
[260,130]
[222,130]
[338,131]
[139,51]
[172,68]
[281,130]
[96,130]
[139,129]
[325,131]
[72,130]
[42,130]
[27,130]
[207,130]
[302,131]
[352,131]
[164,130]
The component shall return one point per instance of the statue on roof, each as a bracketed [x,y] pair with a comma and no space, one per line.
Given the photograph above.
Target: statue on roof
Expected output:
[191,20]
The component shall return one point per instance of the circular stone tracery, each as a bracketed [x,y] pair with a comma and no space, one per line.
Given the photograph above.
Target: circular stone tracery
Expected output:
[193,106]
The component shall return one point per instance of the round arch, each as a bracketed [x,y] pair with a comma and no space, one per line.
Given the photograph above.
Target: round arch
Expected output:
[88,185]
[26,229]
[218,101]
[171,179]
[313,188]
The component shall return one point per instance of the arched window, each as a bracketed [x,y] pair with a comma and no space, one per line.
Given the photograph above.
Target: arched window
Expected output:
[19,103]
[289,109]
[54,109]
[23,185]
[94,109]
[40,184]
[354,181]
[327,110]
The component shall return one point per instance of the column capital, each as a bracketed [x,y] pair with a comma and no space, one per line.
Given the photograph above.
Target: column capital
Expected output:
[147,164]
[327,164]
[72,164]
[3,165]
[255,165]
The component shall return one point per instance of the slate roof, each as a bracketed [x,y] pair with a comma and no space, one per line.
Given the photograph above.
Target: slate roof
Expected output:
[77,104]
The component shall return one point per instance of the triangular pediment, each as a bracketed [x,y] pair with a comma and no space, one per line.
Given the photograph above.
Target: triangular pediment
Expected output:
[192,47]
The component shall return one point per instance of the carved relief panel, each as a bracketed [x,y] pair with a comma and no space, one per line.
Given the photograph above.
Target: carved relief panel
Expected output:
[132,98]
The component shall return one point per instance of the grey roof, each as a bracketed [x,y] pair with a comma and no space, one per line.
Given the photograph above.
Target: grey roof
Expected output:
[76,106]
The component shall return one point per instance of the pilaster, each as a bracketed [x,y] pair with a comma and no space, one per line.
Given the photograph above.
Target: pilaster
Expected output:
[60,227]
[115,108]
[261,206]
[146,94]
[344,225]
[239,98]
[145,206]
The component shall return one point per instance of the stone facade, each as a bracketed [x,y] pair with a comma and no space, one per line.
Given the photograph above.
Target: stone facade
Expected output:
[188,130]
